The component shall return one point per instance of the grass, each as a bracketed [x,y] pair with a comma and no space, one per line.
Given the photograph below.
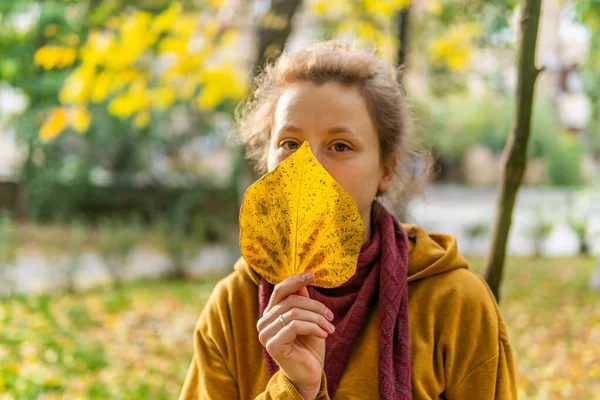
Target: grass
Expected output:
[553,320]
[135,343]
[129,344]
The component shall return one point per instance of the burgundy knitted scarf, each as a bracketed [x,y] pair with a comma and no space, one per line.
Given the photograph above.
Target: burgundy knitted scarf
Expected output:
[381,276]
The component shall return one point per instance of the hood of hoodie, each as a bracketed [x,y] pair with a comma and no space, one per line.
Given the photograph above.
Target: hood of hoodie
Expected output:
[429,254]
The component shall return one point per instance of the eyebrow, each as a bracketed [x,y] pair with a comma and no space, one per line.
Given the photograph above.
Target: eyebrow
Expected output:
[343,128]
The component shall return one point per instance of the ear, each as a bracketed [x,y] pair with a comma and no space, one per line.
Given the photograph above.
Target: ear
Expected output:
[388,174]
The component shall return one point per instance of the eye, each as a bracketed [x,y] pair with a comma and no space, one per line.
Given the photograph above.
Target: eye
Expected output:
[341,147]
[291,145]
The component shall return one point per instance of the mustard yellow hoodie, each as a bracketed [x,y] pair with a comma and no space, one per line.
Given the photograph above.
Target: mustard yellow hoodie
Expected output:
[458,342]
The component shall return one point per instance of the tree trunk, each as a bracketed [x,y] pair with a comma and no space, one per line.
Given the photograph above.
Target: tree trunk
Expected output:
[403,26]
[400,209]
[274,28]
[514,157]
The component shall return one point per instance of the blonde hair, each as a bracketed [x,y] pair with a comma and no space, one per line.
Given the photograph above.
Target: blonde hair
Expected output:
[335,61]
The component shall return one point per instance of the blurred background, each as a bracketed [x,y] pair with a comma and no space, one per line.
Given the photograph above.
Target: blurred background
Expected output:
[120,179]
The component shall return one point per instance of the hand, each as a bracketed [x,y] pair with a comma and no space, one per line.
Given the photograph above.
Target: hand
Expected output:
[299,347]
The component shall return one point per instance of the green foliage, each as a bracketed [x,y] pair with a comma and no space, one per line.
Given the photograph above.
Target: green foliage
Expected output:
[60,175]
[181,239]
[580,227]
[68,266]
[564,161]
[9,243]
[477,230]
[116,241]
[578,218]
[540,228]
[453,123]
[588,12]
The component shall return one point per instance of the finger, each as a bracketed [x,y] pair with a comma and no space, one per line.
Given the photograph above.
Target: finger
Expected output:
[293,301]
[287,335]
[303,291]
[295,314]
[289,286]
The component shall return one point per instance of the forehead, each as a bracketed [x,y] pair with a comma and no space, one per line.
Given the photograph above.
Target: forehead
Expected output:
[331,102]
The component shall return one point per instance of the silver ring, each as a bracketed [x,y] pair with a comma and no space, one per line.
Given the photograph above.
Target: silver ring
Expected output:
[281,319]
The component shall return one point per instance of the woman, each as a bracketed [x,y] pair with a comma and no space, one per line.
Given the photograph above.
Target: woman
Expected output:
[413,322]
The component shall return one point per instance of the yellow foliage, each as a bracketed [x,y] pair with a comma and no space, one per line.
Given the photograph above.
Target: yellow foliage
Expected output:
[50,57]
[135,36]
[454,49]
[54,124]
[99,48]
[185,25]
[134,100]
[188,87]
[119,63]
[163,97]
[173,45]
[218,84]
[229,38]
[367,34]
[385,8]
[102,86]
[297,218]
[215,3]
[77,86]
[79,119]
[165,20]
[433,7]
[123,78]
[332,9]
[142,119]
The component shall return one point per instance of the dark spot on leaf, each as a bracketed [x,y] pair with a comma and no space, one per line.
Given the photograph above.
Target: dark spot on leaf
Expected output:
[316,261]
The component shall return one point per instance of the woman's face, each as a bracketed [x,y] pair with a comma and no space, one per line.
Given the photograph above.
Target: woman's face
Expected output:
[334,120]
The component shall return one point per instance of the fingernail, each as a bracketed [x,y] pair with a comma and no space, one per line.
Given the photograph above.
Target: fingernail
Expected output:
[307,277]
[329,315]
[331,327]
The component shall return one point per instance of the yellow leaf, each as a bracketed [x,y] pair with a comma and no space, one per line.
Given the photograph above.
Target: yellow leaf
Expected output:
[49,57]
[45,57]
[54,125]
[79,119]
[100,48]
[77,85]
[166,19]
[102,85]
[120,107]
[297,218]
[163,97]
[66,58]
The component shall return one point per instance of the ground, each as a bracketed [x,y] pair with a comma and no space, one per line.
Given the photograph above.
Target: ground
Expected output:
[136,342]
